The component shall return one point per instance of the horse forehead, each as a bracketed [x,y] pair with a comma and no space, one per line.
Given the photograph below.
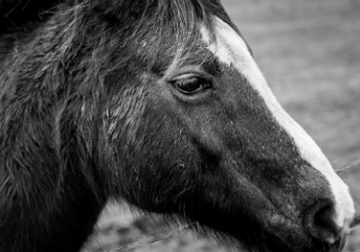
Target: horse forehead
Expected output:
[229,47]
[232,50]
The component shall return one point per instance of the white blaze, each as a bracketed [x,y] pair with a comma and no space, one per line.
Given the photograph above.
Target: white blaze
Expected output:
[231,49]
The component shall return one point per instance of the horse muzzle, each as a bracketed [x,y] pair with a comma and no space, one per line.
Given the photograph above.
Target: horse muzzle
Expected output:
[312,228]
[320,225]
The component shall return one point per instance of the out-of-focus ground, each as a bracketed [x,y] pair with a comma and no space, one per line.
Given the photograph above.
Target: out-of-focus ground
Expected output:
[309,51]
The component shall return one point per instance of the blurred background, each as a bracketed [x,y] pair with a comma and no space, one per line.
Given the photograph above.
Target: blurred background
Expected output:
[309,51]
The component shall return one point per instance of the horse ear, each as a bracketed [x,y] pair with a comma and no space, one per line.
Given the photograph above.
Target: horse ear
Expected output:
[17,13]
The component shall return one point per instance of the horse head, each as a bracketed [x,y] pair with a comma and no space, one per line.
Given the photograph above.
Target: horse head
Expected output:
[210,143]
[161,103]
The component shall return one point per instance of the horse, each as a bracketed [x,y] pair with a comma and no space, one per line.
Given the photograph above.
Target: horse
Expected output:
[159,103]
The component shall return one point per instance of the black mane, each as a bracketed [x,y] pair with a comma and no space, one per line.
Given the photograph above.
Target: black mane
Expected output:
[55,57]
[21,14]
[27,14]
[21,18]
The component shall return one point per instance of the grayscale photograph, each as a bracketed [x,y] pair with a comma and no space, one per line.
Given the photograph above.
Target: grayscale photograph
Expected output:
[179,125]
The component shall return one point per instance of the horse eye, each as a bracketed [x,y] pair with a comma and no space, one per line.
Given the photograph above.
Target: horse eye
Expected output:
[190,84]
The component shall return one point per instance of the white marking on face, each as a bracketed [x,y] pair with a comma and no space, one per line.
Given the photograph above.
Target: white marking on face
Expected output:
[231,49]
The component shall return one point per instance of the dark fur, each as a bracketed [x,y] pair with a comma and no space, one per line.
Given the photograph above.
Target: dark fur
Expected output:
[84,117]
[55,56]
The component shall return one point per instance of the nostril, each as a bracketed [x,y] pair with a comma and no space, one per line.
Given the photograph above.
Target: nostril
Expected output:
[355,222]
[319,221]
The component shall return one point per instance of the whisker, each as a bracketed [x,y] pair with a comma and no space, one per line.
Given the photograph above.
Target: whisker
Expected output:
[335,161]
[351,165]
[155,238]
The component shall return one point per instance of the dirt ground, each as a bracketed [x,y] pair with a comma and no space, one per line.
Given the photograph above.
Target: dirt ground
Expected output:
[309,51]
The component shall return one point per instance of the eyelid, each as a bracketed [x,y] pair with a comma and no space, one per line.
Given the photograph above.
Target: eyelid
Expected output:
[195,70]
[186,76]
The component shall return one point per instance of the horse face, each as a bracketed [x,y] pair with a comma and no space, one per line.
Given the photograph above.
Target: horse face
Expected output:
[209,143]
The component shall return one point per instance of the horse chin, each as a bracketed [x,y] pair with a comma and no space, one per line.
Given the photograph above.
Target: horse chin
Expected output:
[278,235]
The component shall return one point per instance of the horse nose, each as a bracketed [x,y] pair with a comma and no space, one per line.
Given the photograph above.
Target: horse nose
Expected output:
[320,224]
[356,221]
